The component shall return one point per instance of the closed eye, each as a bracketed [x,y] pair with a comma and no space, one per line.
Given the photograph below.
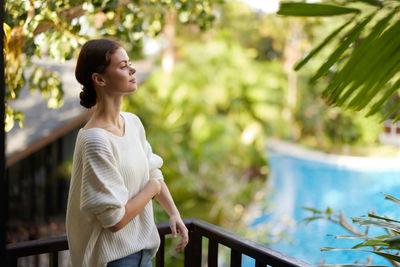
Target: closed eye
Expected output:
[127,64]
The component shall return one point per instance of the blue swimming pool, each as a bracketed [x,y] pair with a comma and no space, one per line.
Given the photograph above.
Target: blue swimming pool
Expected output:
[303,178]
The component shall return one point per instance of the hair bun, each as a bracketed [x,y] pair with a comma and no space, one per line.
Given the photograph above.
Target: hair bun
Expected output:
[88,97]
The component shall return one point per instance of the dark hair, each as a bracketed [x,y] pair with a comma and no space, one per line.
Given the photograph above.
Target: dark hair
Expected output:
[95,56]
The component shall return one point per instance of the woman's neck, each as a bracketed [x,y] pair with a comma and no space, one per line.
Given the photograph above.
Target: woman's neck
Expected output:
[108,110]
[107,116]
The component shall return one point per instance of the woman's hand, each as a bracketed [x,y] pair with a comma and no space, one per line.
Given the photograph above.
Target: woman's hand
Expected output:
[175,221]
[177,226]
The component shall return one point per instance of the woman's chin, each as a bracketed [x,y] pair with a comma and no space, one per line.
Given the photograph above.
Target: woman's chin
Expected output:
[132,89]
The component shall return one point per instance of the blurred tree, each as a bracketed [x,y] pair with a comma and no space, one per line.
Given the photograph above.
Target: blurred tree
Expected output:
[304,117]
[57,28]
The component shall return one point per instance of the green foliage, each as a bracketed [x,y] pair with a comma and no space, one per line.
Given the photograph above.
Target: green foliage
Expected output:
[304,9]
[56,29]
[343,127]
[386,246]
[364,68]
[331,128]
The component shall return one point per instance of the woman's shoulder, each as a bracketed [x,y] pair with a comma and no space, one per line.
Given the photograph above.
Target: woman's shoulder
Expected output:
[132,118]
[130,115]
[93,137]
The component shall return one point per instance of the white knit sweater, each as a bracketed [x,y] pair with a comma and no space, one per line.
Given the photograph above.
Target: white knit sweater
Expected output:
[107,171]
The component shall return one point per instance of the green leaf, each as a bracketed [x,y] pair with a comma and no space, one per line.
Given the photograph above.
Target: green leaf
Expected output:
[396,232]
[370,2]
[382,69]
[328,210]
[310,219]
[312,210]
[387,256]
[375,108]
[360,64]
[392,110]
[350,237]
[382,254]
[391,198]
[371,243]
[313,52]
[350,37]
[304,9]
[396,118]
[366,222]
[382,218]
[394,242]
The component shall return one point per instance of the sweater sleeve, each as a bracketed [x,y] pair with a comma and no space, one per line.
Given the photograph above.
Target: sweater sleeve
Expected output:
[155,161]
[103,192]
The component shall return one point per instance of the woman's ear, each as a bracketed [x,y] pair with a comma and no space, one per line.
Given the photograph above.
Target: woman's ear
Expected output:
[98,79]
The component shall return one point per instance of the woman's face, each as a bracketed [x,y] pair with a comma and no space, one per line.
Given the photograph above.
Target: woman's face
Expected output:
[118,76]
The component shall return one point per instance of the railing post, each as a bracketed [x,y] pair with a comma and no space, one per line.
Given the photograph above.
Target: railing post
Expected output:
[212,253]
[54,259]
[12,261]
[260,264]
[160,252]
[236,258]
[193,249]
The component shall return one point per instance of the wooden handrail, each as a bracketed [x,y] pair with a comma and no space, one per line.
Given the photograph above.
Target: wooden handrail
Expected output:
[243,245]
[193,252]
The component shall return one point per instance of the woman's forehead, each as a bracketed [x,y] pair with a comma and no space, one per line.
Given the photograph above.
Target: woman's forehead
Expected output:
[119,55]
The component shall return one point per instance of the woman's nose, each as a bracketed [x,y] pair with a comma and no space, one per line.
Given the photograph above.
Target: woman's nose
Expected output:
[132,70]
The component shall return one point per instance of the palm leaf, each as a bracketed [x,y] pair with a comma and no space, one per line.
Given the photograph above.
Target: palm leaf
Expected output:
[394,242]
[375,108]
[382,254]
[375,85]
[362,237]
[371,243]
[333,58]
[366,222]
[382,218]
[315,211]
[397,116]
[310,219]
[370,2]
[386,65]
[392,198]
[314,51]
[359,65]
[374,72]
[366,63]
[391,111]
[304,9]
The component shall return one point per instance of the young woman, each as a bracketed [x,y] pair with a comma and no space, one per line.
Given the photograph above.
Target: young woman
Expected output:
[115,175]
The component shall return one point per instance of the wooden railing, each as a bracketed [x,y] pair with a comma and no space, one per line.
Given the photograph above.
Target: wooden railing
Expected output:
[198,229]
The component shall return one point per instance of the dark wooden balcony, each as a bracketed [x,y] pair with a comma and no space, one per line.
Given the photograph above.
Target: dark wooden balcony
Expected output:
[198,230]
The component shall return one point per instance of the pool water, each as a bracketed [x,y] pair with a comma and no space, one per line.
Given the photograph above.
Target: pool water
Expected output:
[350,185]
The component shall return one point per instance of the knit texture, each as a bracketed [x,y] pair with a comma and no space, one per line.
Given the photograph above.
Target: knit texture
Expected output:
[107,171]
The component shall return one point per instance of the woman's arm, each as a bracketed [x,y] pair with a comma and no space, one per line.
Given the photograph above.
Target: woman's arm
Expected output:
[136,204]
[175,221]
